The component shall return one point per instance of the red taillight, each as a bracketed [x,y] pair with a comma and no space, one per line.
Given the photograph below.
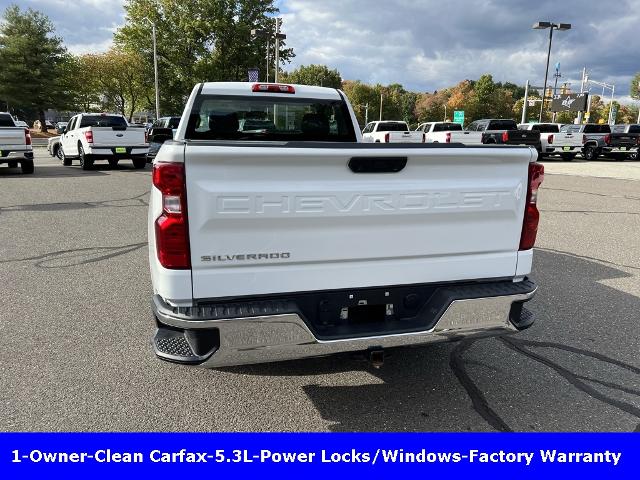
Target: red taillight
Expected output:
[89,136]
[550,139]
[505,137]
[607,139]
[447,137]
[27,137]
[424,138]
[638,140]
[386,137]
[531,213]
[172,232]
[272,88]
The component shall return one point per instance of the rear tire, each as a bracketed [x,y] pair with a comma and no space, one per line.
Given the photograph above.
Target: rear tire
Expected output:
[13,164]
[27,166]
[590,153]
[85,163]
[568,157]
[139,163]
[65,160]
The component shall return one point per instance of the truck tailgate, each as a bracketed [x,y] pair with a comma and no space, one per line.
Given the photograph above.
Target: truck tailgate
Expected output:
[565,139]
[111,137]
[11,136]
[273,219]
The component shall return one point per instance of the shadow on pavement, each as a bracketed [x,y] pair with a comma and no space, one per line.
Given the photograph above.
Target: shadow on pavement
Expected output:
[434,387]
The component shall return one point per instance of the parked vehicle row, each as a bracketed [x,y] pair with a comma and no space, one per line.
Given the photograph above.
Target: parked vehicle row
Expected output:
[390,131]
[448,132]
[15,144]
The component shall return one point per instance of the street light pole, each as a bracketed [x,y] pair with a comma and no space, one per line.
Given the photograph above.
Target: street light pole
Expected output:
[277,49]
[155,69]
[550,26]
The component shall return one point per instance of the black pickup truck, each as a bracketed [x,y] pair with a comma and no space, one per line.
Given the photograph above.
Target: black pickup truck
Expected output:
[505,132]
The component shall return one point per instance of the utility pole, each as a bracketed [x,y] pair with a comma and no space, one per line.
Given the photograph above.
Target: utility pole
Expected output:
[366,113]
[380,106]
[638,107]
[268,45]
[584,77]
[555,87]
[277,49]
[155,69]
[525,103]
[546,73]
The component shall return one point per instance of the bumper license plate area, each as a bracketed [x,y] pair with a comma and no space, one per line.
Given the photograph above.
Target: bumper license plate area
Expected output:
[365,314]
[121,150]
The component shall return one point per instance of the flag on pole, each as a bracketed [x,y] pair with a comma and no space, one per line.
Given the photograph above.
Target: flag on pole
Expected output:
[254,74]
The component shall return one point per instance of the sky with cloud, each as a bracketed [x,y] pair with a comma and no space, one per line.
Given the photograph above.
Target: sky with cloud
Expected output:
[423,44]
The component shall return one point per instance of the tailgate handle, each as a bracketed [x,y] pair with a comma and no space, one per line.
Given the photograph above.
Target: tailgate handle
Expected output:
[377,164]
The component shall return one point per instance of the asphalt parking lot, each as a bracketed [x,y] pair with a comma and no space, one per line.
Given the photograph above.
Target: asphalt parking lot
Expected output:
[76,326]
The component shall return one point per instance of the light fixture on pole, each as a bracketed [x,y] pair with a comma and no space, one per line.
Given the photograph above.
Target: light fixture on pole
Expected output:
[550,26]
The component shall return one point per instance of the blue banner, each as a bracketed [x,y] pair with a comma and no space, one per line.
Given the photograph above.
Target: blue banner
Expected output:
[508,455]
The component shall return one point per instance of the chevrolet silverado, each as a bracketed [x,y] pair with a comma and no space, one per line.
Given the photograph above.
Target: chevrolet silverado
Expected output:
[301,240]
[15,144]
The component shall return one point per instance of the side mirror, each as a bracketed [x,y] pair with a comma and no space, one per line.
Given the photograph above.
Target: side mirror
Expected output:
[160,135]
[64,130]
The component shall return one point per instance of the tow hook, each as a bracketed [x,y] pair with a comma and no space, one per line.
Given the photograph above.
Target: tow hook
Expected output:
[376,357]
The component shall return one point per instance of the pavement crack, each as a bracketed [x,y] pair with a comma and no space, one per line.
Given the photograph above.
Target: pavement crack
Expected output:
[586,257]
[135,201]
[627,197]
[77,256]
[478,400]
[519,346]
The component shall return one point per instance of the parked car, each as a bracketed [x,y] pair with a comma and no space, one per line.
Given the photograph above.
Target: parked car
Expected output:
[310,242]
[60,126]
[554,142]
[390,131]
[15,144]
[598,141]
[158,134]
[631,129]
[92,136]
[448,132]
[504,132]
[53,147]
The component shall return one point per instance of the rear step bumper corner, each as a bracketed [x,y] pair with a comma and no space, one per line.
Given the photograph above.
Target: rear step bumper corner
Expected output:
[252,333]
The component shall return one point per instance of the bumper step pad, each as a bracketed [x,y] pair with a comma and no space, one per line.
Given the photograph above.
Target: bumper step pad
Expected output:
[181,346]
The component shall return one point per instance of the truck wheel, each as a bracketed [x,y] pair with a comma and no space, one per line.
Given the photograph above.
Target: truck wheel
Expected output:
[139,163]
[13,164]
[85,163]
[65,160]
[567,157]
[113,162]
[27,166]
[590,153]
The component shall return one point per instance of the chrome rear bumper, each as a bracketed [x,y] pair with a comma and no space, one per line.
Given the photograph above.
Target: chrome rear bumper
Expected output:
[275,337]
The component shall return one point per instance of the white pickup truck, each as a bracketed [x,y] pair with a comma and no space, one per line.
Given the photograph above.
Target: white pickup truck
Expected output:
[15,144]
[448,132]
[566,144]
[300,240]
[390,131]
[99,136]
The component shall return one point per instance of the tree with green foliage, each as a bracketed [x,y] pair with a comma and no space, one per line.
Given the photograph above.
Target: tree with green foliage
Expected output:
[319,75]
[204,40]
[634,88]
[32,63]
[116,79]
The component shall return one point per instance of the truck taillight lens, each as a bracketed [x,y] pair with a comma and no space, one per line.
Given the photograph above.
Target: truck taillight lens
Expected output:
[89,136]
[550,139]
[27,137]
[447,137]
[172,231]
[386,137]
[505,137]
[424,138]
[607,139]
[531,213]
